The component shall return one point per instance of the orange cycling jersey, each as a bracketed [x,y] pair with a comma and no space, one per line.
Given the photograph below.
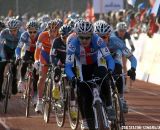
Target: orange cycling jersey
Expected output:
[43,47]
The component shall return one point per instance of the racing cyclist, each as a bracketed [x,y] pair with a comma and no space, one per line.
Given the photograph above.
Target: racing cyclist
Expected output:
[83,45]
[118,49]
[41,56]
[25,51]
[9,38]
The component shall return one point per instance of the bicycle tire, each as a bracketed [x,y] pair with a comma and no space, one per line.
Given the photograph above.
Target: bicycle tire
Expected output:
[119,121]
[61,121]
[73,123]
[47,100]
[29,85]
[100,117]
[6,91]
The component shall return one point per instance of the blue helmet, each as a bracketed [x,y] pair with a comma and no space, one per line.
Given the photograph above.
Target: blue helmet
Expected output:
[65,30]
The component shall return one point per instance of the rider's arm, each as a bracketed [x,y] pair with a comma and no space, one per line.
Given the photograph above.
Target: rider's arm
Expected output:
[21,42]
[126,52]
[53,53]
[106,54]
[38,47]
[70,54]
[130,42]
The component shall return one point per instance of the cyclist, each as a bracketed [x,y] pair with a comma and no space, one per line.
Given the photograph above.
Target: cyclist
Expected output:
[117,48]
[27,43]
[2,25]
[9,37]
[83,45]
[41,56]
[121,32]
[58,55]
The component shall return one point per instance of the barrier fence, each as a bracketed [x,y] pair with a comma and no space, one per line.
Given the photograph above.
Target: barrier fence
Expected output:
[148,58]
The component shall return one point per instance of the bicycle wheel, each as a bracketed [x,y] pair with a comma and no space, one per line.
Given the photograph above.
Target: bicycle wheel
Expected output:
[119,121]
[73,121]
[28,95]
[47,100]
[100,117]
[6,92]
[60,105]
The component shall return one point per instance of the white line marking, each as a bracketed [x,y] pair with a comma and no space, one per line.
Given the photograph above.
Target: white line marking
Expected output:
[3,122]
[147,92]
[140,113]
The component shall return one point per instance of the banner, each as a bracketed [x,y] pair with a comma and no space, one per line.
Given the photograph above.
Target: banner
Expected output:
[104,6]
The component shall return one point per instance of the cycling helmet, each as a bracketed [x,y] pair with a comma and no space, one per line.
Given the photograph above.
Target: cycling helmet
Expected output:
[84,27]
[33,24]
[60,22]
[52,24]
[65,30]
[43,26]
[13,23]
[101,27]
[45,18]
[121,26]
[73,15]
[2,24]
[141,6]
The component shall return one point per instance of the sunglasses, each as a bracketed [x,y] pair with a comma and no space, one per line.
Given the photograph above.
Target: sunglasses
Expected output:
[13,30]
[104,37]
[84,38]
[34,32]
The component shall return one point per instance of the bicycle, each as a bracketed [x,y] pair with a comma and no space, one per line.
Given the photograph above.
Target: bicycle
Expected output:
[63,104]
[117,104]
[100,115]
[7,84]
[47,96]
[28,92]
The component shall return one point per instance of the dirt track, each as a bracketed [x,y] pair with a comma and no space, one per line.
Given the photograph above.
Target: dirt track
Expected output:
[144,111]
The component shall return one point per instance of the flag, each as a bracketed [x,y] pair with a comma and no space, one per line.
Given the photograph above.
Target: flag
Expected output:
[131,2]
[89,14]
[156,8]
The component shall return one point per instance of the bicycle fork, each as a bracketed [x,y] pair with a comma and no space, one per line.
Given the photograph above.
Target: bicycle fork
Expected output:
[96,98]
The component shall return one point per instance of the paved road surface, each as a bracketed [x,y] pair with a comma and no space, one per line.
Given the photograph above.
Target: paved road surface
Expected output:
[144,111]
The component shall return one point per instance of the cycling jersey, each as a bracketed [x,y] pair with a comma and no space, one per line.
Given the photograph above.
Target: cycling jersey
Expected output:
[26,43]
[43,46]
[118,48]
[58,51]
[126,36]
[87,55]
[10,40]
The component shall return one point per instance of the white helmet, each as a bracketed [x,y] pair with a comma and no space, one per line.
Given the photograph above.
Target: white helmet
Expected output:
[33,24]
[121,26]
[84,26]
[102,28]
[14,23]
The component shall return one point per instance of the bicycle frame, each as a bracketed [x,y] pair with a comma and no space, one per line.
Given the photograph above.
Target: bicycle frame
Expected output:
[97,99]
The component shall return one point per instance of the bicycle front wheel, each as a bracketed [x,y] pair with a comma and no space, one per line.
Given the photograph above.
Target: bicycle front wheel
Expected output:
[119,121]
[47,100]
[73,112]
[101,117]
[60,105]
[28,95]
[6,92]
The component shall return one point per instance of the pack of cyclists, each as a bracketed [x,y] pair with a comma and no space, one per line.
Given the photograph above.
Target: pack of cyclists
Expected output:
[91,48]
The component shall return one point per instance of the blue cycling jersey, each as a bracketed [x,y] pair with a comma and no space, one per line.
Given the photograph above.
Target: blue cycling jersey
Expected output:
[117,46]
[10,40]
[26,43]
[86,56]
